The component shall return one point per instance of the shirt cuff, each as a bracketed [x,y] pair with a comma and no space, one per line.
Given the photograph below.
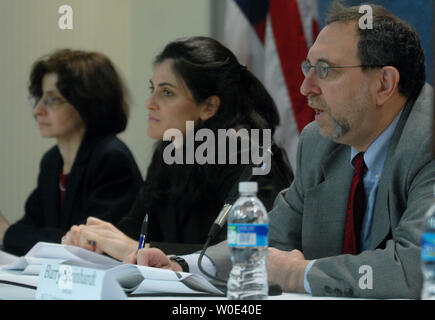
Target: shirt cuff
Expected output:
[207,264]
[306,284]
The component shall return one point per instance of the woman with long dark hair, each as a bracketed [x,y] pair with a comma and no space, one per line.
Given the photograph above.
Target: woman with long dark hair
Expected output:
[196,81]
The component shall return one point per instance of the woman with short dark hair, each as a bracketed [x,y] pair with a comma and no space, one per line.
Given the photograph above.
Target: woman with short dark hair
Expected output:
[198,81]
[79,99]
[90,83]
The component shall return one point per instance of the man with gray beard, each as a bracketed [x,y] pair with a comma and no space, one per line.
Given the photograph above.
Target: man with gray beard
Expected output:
[350,223]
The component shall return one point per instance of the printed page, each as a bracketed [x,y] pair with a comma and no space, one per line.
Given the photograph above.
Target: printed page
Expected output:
[45,252]
[18,279]
[6,258]
[145,280]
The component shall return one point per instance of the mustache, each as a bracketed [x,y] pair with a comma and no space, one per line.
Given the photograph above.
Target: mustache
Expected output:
[310,101]
[314,101]
[317,102]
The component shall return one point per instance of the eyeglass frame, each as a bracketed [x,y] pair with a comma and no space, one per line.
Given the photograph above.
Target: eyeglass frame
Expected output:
[327,67]
[50,103]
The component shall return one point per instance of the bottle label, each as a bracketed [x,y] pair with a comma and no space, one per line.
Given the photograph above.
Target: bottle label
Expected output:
[428,246]
[247,235]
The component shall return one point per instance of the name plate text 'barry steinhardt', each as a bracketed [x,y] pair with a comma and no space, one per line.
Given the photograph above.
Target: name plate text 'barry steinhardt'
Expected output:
[58,281]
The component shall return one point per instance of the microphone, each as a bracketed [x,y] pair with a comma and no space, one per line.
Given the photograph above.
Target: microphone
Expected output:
[220,221]
[222,217]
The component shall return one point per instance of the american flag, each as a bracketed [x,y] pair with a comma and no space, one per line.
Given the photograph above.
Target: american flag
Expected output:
[272,37]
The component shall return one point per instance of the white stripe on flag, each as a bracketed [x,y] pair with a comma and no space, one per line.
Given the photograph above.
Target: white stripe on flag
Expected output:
[309,12]
[242,40]
[286,135]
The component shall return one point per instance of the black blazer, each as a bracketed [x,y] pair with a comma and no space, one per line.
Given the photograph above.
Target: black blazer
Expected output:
[179,227]
[104,182]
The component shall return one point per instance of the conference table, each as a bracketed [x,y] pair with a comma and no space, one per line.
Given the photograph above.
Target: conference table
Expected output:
[171,306]
[14,292]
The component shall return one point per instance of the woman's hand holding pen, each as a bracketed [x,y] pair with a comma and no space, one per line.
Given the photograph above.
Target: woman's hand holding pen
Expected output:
[100,236]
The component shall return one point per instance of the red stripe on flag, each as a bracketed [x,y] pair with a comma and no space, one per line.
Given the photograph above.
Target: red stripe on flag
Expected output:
[292,50]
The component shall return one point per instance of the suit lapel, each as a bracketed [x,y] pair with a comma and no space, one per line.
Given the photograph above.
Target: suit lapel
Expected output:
[325,206]
[381,224]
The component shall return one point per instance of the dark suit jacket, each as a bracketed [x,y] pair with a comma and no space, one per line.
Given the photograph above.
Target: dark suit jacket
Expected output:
[181,227]
[310,215]
[103,182]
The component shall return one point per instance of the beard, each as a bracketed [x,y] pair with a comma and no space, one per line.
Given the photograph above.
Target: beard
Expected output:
[335,127]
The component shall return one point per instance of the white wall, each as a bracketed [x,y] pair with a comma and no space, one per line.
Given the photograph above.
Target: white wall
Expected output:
[154,24]
[129,32]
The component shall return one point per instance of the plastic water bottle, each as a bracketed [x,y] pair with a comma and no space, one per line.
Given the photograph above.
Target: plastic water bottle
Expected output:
[248,226]
[428,254]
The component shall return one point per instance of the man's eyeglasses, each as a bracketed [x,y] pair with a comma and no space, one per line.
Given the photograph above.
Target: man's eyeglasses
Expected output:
[51,103]
[322,68]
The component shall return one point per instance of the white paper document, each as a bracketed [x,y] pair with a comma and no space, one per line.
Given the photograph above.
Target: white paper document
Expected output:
[54,262]
[6,258]
[45,252]
[12,278]
[142,280]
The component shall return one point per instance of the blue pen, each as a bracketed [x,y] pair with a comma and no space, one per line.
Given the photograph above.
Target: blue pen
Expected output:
[143,232]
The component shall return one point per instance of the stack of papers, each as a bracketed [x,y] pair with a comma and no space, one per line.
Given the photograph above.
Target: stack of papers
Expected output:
[7,258]
[133,280]
[140,280]
[45,252]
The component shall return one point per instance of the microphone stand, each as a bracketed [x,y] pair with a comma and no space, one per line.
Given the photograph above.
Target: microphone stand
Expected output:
[214,230]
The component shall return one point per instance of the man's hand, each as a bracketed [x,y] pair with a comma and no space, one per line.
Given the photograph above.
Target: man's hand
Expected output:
[153,257]
[286,268]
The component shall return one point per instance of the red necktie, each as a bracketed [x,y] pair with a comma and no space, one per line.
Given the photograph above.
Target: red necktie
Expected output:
[355,208]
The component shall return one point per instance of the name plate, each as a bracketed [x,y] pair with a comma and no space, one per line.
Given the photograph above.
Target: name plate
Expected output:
[66,282]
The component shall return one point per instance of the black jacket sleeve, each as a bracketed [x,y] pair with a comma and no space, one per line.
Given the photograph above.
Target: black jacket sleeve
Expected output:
[198,217]
[103,184]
